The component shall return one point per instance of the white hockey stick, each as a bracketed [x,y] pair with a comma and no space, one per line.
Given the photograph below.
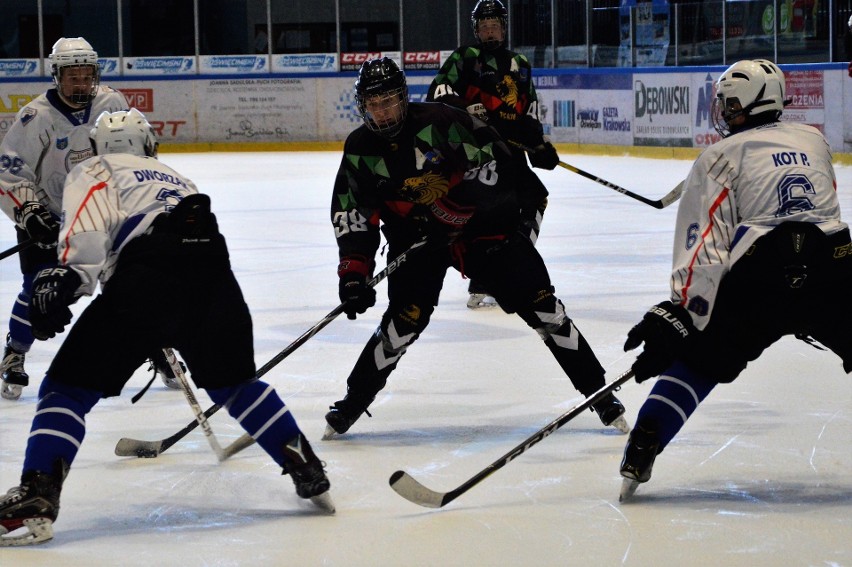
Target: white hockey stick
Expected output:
[412,490]
[200,417]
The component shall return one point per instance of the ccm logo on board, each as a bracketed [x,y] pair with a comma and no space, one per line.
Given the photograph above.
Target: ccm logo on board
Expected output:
[422,57]
[350,58]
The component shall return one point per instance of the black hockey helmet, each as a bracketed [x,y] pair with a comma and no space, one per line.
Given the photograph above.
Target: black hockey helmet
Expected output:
[379,79]
[489,9]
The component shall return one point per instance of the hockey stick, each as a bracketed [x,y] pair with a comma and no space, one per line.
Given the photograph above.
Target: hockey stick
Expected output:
[127,447]
[409,488]
[200,418]
[661,203]
[17,248]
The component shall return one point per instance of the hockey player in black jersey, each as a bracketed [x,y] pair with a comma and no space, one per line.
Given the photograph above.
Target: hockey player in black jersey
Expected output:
[429,170]
[166,280]
[496,85]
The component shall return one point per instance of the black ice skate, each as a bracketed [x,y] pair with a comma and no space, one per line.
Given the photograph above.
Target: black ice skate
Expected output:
[639,456]
[32,506]
[14,376]
[161,368]
[343,414]
[307,473]
[611,412]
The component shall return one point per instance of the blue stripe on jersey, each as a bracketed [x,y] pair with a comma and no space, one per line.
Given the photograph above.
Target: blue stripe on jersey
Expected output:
[125,230]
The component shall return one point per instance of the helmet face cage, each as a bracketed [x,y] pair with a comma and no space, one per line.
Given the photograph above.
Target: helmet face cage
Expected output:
[489,9]
[758,86]
[124,132]
[71,53]
[382,83]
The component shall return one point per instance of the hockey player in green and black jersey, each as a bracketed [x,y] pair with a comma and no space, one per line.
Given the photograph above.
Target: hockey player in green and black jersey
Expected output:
[429,170]
[495,84]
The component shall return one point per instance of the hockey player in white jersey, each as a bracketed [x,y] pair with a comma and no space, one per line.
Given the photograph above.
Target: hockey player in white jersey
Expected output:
[49,136]
[144,232]
[760,251]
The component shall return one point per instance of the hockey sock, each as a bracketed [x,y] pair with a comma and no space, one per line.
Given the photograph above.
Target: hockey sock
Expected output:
[59,425]
[20,331]
[259,410]
[674,398]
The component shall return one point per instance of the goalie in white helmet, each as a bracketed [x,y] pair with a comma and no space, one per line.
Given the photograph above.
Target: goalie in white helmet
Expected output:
[760,252]
[50,135]
[144,232]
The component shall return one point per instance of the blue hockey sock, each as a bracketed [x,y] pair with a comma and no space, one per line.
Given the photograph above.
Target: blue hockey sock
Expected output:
[20,330]
[675,396]
[259,410]
[59,425]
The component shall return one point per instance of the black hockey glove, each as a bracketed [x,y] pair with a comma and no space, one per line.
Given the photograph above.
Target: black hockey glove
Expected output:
[54,289]
[666,329]
[544,156]
[39,223]
[355,294]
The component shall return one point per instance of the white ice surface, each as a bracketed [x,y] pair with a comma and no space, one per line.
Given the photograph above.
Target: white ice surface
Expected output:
[759,476]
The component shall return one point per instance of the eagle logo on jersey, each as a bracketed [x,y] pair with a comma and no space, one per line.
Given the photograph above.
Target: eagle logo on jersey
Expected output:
[508,90]
[425,189]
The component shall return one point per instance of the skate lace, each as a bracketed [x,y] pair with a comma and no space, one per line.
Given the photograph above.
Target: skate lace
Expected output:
[15,495]
[13,361]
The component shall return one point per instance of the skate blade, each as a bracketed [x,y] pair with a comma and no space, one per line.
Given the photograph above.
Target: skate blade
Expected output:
[11,391]
[38,530]
[330,433]
[484,303]
[324,502]
[621,424]
[628,488]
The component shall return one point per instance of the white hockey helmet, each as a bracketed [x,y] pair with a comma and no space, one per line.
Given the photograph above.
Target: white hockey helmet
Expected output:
[759,88]
[124,132]
[74,52]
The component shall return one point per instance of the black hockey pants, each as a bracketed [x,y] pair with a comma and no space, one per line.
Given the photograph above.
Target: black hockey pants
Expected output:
[514,273]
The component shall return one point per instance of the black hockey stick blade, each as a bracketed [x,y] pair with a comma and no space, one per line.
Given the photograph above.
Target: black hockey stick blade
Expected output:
[17,248]
[127,447]
[414,491]
[661,203]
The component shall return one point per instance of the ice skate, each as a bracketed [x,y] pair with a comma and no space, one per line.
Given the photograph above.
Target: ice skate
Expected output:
[639,456]
[13,374]
[161,368]
[481,301]
[343,415]
[611,412]
[30,509]
[307,473]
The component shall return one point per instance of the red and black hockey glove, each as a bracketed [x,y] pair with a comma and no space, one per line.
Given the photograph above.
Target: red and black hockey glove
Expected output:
[355,294]
[666,329]
[40,225]
[54,289]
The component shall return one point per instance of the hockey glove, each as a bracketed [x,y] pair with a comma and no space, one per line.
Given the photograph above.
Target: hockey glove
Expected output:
[54,289]
[39,223]
[666,329]
[355,294]
[544,156]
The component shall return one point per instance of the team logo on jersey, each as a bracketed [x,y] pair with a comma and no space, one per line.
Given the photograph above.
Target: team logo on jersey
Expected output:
[61,143]
[28,115]
[425,189]
[508,90]
[74,157]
